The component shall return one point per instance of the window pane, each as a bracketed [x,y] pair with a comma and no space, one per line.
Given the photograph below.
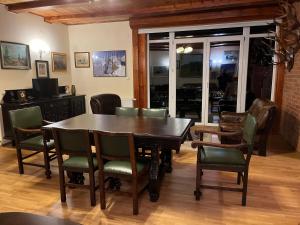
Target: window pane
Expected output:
[159,75]
[209,33]
[159,36]
[223,78]
[262,29]
[260,70]
[189,76]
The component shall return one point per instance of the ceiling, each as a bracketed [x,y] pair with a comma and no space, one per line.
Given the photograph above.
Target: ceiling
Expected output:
[72,12]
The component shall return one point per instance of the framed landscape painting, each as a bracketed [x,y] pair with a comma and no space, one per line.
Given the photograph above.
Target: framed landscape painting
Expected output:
[15,56]
[109,63]
[82,59]
[59,62]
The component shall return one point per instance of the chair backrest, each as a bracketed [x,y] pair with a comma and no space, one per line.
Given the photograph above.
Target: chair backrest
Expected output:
[264,112]
[72,142]
[249,130]
[159,113]
[105,103]
[30,117]
[115,146]
[127,111]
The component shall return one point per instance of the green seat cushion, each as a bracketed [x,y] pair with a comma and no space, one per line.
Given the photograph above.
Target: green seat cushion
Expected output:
[79,162]
[123,167]
[215,155]
[37,142]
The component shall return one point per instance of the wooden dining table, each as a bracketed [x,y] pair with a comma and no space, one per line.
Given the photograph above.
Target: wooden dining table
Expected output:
[160,135]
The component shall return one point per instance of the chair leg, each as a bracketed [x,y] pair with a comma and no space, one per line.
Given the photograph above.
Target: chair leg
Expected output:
[239,178]
[92,188]
[102,190]
[47,163]
[20,161]
[199,173]
[62,185]
[245,186]
[135,197]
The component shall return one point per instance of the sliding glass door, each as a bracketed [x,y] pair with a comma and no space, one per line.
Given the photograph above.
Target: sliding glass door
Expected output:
[224,78]
[198,74]
[189,80]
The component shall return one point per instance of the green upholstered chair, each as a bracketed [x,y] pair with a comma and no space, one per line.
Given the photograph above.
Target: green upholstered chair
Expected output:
[26,127]
[127,111]
[75,144]
[158,113]
[226,157]
[116,157]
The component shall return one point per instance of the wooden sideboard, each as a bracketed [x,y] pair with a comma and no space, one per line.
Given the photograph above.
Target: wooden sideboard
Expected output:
[53,109]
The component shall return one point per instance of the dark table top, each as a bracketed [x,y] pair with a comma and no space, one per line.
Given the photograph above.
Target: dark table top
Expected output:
[20,218]
[139,126]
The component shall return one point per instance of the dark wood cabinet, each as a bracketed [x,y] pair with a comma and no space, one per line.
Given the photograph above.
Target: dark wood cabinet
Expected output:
[53,109]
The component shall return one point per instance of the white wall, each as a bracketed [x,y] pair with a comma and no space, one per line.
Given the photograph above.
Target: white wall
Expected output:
[101,37]
[26,28]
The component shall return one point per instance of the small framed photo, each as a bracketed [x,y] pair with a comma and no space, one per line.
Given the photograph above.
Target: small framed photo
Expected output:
[82,59]
[59,62]
[42,69]
[22,97]
[14,56]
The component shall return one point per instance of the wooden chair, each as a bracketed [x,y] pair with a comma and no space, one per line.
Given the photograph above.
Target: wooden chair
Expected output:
[226,157]
[26,127]
[76,144]
[159,113]
[127,111]
[105,103]
[116,157]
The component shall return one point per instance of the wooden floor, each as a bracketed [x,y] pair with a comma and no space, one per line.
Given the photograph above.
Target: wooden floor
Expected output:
[273,194]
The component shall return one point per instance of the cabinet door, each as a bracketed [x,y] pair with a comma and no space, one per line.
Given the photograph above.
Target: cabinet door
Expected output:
[56,110]
[77,106]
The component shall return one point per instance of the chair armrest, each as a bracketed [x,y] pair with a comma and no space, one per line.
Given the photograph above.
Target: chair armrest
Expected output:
[196,144]
[232,117]
[220,133]
[46,122]
[28,131]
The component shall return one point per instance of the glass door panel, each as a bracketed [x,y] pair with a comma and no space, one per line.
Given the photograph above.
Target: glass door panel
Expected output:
[223,78]
[260,70]
[159,75]
[189,80]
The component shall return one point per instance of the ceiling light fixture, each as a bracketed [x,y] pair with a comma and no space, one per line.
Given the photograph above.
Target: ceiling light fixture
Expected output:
[184,50]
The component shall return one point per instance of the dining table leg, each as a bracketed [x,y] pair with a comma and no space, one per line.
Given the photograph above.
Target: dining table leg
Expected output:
[166,157]
[154,175]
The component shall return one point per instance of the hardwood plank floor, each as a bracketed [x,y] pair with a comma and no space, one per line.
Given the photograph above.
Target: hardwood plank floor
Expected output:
[273,194]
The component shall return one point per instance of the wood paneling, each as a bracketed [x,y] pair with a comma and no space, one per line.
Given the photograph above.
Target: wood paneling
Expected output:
[273,194]
[82,11]
[140,68]
[143,70]
[135,53]
[219,16]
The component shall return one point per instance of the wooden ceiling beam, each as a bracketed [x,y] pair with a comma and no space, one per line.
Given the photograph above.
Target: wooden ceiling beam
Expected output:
[170,9]
[221,16]
[27,6]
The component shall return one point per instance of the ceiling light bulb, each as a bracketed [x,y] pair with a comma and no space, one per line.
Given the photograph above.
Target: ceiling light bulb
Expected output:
[180,50]
[188,50]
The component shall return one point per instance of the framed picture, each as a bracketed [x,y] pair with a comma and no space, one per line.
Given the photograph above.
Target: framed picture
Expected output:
[82,59]
[232,55]
[109,63]
[42,69]
[15,56]
[21,95]
[59,62]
